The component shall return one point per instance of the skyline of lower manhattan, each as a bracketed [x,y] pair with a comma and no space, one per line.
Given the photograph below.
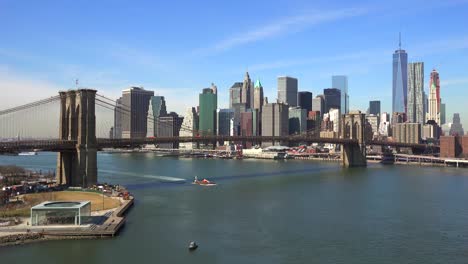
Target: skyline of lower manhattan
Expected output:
[240,131]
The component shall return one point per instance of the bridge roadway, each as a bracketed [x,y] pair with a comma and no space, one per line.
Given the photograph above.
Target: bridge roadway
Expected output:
[57,145]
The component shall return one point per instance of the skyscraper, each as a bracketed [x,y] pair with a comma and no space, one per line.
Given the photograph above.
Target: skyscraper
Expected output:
[118,113]
[223,121]
[235,94]
[400,80]
[304,100]
[374,107]
[442,113]
[415,107]
[287,90]
[258,96]
[275,120]
[158,107]
[456,129]
[434,98]
[169,126]
[318,104]
[189,127]
[332,99]
[297,120]
[135,100]
[208,101]
[246,90]
[150,122]
[341,82]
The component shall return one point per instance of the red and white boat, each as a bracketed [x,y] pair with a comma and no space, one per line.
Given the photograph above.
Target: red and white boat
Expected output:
[203,182]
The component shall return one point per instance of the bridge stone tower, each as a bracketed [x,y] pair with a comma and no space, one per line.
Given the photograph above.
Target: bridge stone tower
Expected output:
[78,122]
[353,127]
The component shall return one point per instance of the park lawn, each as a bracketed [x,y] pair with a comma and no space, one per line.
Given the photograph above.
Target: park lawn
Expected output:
[37,198]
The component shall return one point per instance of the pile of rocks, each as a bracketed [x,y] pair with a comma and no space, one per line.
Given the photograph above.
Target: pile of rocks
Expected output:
[19,238]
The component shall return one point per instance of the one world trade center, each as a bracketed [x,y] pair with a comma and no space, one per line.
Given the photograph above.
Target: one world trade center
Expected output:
[400,80]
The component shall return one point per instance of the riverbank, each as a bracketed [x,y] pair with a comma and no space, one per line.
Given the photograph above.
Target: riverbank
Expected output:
[110,227]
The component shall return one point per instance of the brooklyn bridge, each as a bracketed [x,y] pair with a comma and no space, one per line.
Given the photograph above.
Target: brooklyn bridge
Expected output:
[74,114]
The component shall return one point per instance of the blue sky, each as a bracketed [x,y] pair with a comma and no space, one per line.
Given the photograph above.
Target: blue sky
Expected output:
[176,48]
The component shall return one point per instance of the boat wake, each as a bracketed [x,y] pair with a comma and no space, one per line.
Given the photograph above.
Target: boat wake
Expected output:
[147,176]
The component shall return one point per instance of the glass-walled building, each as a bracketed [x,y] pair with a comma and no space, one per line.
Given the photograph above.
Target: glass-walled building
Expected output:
[60,213]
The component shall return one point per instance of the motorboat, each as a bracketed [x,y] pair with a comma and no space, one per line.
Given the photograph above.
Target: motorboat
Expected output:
[31,153]
[203,182]
[193,246]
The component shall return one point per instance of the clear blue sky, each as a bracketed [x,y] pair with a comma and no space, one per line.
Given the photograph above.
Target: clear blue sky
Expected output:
[179,47]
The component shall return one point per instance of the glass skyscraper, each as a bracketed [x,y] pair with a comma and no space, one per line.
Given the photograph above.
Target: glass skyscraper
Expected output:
[341,82]
[400,81]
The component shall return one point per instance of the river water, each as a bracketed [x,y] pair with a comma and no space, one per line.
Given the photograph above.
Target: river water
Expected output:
[270,212]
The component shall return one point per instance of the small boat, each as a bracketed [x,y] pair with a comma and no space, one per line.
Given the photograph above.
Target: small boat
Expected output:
[32,153]
[192,246]
[203,182]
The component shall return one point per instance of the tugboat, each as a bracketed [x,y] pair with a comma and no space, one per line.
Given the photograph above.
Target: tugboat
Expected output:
[192,246]
[203,182]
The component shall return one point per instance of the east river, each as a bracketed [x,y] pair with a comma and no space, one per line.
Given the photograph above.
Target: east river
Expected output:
[270,212]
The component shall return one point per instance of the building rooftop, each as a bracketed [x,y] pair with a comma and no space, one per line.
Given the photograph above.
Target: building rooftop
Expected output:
[52,205]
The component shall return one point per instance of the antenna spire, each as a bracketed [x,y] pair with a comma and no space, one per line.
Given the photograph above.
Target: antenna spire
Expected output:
[399,40]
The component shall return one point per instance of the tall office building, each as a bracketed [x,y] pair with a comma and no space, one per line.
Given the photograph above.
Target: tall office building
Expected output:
[332,98]
[169,126]
[135,100]
[384,125]
[118,113]
[275,120]
[341,82]
[158,108]
[334,115]
[318,105]
[374,107]
[189,128]
[442,113]
[208,102]
[456,129]
[287,90]
[235,94]
[415,107]
[297,120]
[434,98]
[223,121]
[407,133]
[400,80]
[150,121]
[246,90]
[258,96]
[304,100]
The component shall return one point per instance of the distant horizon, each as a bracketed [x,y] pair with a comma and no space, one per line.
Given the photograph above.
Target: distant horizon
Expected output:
[50,45]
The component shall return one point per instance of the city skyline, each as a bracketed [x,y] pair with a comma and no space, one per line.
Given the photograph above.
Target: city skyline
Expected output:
[110,60]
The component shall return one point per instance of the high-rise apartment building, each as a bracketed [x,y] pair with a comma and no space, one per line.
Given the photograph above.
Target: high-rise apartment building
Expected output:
[304,100]
[287,90]
[135,102]
[275,120]
[384,126]
[258,96]
[208,102]
[332,99]
[415,109]
[434,98]
[341,82]
[407,132]
[374,107]
[400,80]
